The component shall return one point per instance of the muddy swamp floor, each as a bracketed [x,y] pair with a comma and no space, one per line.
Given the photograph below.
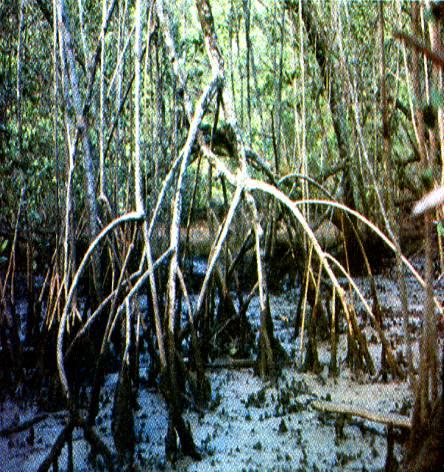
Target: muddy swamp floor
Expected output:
[251,424]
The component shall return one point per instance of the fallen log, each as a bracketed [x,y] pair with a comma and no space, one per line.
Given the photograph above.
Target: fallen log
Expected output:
[389,419]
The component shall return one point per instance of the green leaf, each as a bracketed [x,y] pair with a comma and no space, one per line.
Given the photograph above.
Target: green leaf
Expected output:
[3,246]
[427,178]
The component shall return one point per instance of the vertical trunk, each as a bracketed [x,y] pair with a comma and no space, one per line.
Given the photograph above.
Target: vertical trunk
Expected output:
[268,345]
[19,77]
[427,377]
[389,185]
[246,4]
[334,335]
[437,79]
[173,388]
[335,92]
[270,352]
[140,205]
[102,186]
[424,452]
[55,65]
[82,127]
[311,363]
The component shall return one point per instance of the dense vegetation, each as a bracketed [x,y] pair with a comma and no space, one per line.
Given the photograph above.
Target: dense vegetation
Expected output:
[284,142]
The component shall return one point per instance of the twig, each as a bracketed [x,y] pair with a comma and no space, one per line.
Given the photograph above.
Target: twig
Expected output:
[22,426]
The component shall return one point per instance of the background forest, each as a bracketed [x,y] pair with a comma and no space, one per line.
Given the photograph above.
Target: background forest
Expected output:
[165,164]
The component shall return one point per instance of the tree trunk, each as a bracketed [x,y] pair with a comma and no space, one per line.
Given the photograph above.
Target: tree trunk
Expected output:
[335,93]
[82,127]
